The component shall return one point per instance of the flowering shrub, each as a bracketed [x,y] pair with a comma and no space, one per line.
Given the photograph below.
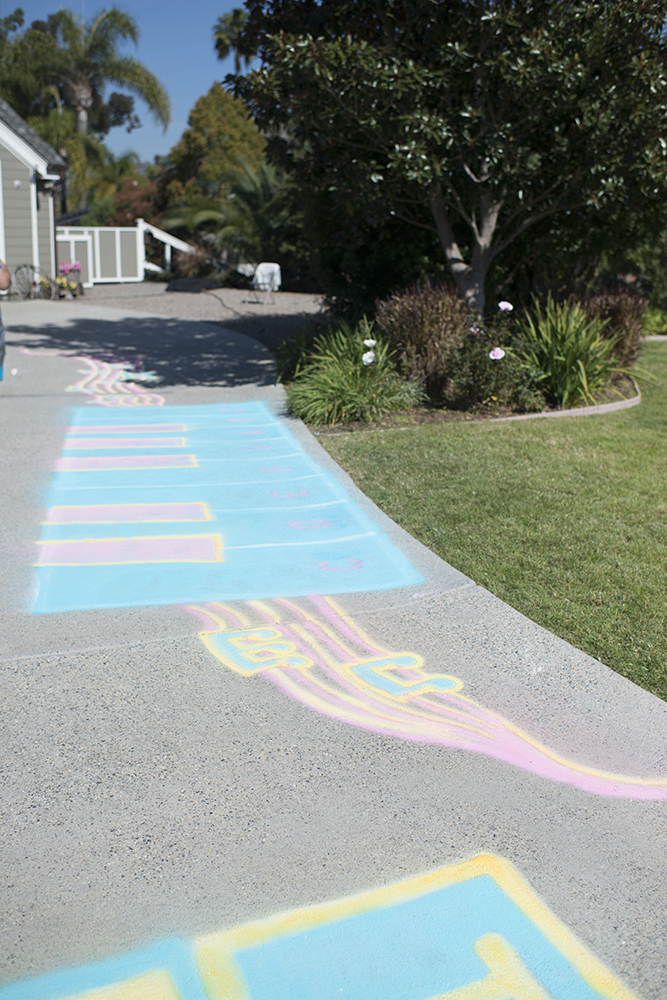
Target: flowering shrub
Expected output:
[69,286]
[66,268]
[340,382]
[481,374]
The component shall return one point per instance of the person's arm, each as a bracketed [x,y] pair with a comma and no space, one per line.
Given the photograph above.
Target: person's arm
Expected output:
[5,276]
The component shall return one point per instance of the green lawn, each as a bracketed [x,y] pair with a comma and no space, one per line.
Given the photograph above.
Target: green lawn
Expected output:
[564,519]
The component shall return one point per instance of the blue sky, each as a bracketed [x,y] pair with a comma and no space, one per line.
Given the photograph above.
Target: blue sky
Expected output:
[175,43]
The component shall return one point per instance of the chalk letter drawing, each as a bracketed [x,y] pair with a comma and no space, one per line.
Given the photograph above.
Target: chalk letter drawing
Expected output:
[113,384]
[262,524]
[470,931]
[318,656]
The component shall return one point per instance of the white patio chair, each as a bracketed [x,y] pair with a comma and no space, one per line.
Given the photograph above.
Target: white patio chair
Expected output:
[267,279]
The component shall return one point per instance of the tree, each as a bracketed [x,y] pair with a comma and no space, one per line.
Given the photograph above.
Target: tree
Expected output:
[253,208]
[89,59]
[113,172]
[219,133]
[81,151]
[31,64]
[228,37]
[478,120]
[257,217]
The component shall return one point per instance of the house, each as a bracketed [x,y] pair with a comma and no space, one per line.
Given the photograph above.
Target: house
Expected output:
[30,170]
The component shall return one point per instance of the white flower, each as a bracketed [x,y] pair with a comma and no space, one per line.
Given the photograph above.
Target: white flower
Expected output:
[370,343]
[505,307]
[368,358]
[496,354]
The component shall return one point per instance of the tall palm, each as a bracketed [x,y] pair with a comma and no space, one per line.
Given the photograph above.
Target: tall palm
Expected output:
[82,151]
[228,37]
[90,59]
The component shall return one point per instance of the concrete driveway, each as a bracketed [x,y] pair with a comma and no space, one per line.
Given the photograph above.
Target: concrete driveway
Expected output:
[259,742]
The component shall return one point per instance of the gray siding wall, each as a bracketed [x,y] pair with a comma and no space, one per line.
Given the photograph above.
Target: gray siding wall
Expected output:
[45,232]
[18,227]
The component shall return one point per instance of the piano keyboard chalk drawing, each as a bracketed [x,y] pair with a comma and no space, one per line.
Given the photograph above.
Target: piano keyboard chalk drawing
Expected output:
[249,516]
[316,655]
[470,931]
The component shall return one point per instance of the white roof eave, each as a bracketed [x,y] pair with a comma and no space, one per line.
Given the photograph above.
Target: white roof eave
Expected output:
[25,153]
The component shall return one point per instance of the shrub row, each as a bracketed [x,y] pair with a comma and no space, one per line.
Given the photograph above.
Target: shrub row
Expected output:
[426,347]
[558,354]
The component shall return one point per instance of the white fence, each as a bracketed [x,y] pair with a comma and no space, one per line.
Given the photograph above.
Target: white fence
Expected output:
[113,253]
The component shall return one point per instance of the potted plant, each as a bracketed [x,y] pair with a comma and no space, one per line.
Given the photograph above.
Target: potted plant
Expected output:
[68,281]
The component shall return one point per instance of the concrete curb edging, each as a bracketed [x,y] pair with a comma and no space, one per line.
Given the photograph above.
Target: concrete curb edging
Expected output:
[580,411]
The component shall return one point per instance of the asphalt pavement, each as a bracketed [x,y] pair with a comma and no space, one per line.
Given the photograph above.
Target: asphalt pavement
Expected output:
[257,741]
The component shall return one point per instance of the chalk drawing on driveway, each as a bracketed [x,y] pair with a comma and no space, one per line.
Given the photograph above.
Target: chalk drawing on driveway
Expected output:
[470,931]
[114,384]
[316,655]
[275,522]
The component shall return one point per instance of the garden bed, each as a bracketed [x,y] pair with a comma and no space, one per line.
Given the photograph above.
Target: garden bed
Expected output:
[623,389]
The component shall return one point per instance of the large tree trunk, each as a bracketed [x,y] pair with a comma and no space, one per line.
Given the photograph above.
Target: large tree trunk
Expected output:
[470,278]
[83,99]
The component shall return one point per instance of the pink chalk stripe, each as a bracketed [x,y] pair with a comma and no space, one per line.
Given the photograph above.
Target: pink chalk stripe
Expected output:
[95,462]
[120,513]
[115,551]
[128,429]
[166,442]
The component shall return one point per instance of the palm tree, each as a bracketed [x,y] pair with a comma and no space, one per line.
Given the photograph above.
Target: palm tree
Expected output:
[81,151]
[90,59]
[248,219]
[112,172]
[228,36]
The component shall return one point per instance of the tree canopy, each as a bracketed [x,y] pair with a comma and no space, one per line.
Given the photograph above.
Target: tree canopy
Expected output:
[89,59]
[220,133]
[78,58]
[478,120]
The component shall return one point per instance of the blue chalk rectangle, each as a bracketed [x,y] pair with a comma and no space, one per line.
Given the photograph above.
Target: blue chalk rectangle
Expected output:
[287,527]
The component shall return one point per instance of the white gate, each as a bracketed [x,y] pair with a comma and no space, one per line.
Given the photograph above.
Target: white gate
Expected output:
[118,251]
[114,253]
[71,248]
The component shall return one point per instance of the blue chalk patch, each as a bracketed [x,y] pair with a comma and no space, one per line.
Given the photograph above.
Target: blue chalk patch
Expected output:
[287,527]
[410,951]
[173,956]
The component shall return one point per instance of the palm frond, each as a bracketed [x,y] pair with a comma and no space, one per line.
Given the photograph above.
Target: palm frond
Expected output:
[130,73]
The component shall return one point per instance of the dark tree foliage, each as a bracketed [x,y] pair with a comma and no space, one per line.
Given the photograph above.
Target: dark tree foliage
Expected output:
[117,111]
[491,124]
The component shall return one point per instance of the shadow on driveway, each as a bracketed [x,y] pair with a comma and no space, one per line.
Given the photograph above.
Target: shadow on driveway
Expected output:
[179,352]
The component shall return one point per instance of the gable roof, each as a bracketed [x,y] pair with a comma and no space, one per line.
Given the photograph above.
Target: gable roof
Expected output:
[40,146]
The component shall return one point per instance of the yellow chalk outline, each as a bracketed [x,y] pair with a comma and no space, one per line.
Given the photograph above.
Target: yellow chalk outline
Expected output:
[216,539]
[194,464]
[223,980]
[120,443]
[142,520]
